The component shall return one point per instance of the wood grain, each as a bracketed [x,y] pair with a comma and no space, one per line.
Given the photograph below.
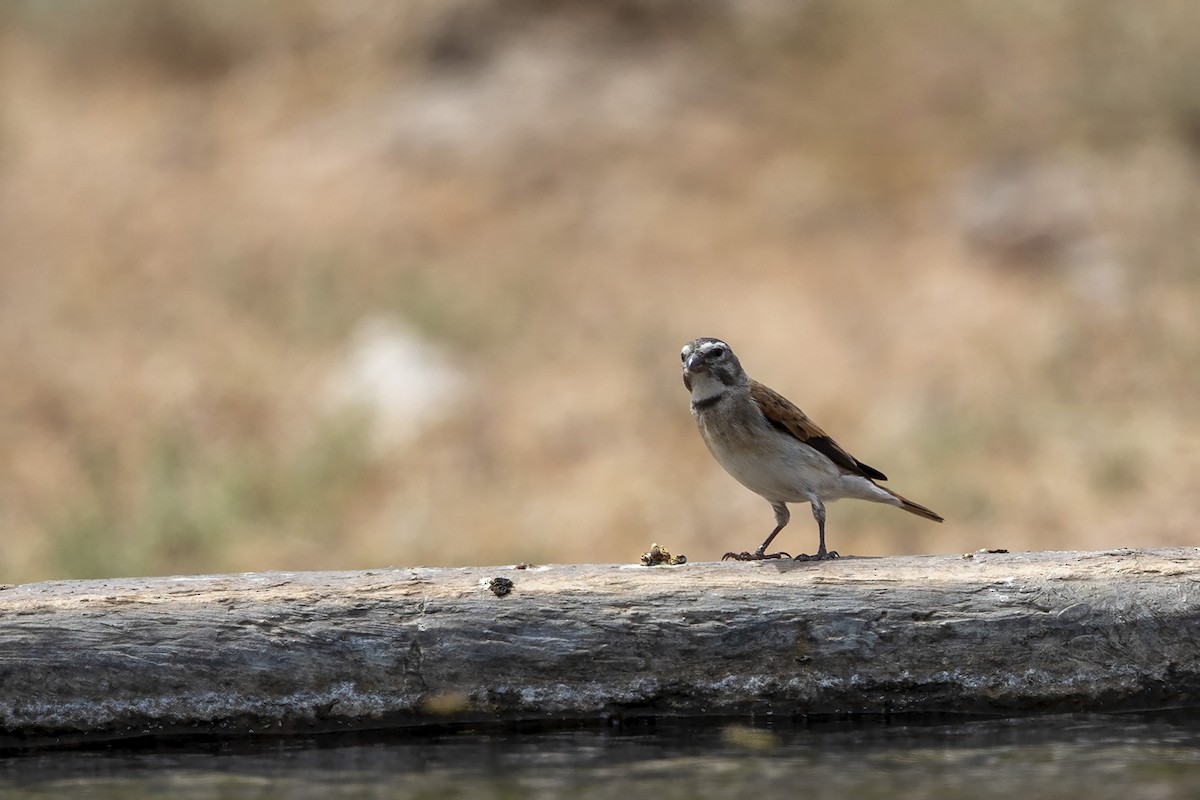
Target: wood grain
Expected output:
[325,651]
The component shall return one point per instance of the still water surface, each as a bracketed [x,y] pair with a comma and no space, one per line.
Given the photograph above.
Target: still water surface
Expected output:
[1126,756]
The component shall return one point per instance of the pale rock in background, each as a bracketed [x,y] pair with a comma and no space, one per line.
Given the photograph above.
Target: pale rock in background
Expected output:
[402,381]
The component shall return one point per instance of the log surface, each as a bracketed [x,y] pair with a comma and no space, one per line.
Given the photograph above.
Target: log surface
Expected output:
[324,651]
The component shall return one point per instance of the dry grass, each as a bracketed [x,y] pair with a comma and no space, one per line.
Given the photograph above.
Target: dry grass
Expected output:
[199,205]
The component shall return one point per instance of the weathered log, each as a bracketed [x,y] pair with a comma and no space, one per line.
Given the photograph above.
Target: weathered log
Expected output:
[307,652]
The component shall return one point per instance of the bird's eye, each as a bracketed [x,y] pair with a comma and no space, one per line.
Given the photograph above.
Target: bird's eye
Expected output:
[683,356]
[716,351]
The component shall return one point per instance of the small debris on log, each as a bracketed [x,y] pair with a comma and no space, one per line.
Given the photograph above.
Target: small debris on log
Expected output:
[500,586]
[659,556]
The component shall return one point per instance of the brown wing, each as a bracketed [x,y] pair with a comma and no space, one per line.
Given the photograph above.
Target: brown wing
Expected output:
[784,415]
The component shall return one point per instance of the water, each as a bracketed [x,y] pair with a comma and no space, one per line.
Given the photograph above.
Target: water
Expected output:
[1065,756]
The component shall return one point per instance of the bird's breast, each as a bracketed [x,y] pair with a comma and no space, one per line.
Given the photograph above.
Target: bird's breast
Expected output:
[767,462]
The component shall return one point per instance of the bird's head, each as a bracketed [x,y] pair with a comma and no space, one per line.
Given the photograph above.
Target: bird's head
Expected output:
[710,360]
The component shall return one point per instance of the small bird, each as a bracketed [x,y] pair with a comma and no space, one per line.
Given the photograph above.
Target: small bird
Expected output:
[772,448]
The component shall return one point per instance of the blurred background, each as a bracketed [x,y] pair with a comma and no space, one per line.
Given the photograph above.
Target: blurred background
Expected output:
[304,285]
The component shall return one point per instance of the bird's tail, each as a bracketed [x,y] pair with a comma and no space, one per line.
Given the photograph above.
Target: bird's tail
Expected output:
[914,508]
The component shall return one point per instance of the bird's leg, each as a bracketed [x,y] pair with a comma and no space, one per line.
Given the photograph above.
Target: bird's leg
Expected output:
[782,515]
[818,509]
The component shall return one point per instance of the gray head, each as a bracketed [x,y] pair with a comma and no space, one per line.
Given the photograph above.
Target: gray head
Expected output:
[713,359]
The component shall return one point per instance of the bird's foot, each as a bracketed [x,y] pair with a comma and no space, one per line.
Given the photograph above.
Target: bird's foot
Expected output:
[757,555]
[822,555]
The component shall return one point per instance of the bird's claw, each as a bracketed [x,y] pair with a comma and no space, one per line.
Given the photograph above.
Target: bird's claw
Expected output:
[823,555]
[746,555]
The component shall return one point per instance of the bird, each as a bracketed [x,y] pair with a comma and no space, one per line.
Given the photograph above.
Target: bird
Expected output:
[773,449]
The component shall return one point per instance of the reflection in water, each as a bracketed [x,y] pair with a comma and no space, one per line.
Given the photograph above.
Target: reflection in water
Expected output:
[1096,756]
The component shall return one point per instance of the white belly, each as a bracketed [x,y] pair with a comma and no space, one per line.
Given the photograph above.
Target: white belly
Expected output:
[781,468]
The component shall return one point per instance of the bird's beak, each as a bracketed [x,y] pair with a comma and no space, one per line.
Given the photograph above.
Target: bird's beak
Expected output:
[693,363]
